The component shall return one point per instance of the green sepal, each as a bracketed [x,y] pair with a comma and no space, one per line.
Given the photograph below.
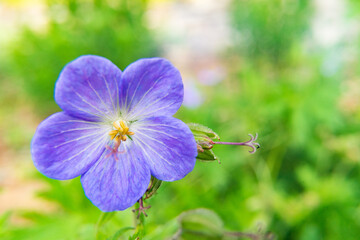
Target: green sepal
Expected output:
[207,156]
[202,138]
[153,187]
[201,130]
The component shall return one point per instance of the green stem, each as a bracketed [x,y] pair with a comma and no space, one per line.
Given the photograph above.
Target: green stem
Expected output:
[139,224]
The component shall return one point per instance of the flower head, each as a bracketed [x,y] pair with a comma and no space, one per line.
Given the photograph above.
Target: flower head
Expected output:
[116,129]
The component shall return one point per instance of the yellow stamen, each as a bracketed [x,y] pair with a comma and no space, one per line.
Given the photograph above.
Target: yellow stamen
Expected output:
[120,132]
[116,126]
[113,132]
[122,124]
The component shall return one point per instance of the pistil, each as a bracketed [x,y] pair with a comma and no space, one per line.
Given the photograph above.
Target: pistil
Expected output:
[205,143]
[251,143]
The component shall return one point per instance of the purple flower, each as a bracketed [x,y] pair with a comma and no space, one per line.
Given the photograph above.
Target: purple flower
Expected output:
[116,129]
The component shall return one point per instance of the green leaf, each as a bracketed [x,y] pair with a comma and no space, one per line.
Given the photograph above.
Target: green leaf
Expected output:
[201,222]
[4,218]
[200,130]
[104,218]
[120,232]
[166,231]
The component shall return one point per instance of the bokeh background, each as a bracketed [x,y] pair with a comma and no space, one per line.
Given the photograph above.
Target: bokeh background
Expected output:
[286,69]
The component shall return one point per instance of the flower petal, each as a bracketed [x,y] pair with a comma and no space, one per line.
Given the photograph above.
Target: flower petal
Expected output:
[65,147]
[116,183]
[87,88]
[168,146]
[150,87]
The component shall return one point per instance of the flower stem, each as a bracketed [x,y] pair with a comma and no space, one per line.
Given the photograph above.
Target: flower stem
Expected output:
[139,228]
[139,219]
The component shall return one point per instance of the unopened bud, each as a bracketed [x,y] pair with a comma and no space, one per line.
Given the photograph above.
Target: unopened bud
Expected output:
[204,139]
[200,130]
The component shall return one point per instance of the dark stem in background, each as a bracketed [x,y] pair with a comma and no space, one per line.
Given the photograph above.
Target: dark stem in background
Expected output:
[253,236]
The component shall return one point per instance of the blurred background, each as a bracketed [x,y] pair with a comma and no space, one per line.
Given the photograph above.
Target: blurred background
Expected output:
[286,69]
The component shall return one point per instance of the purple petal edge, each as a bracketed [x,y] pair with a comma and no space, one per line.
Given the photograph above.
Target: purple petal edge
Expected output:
[87,88]
[65,147]
[150,87]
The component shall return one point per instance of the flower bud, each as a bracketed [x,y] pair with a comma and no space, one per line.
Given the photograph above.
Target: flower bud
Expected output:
[204,139]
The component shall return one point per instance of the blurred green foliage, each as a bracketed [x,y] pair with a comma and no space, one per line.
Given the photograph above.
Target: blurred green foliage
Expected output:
[75,28]
[268,29]
[302,184]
